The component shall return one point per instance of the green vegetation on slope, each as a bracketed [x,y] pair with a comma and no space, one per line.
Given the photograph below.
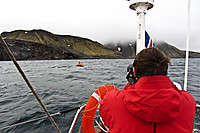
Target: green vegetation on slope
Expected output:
[74,44]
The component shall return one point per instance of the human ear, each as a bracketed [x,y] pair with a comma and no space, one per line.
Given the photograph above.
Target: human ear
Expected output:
[134,72]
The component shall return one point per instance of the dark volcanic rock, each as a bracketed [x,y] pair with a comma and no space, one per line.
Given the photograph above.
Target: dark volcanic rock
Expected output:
[128,51]
[43,45]
[23,50]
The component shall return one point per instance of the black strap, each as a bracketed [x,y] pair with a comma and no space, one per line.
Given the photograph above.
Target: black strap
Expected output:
[154,127]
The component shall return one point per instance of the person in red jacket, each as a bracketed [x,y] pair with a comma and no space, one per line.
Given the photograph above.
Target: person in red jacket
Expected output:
[153,104]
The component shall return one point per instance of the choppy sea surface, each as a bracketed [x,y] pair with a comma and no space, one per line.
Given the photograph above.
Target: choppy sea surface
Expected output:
[62,86]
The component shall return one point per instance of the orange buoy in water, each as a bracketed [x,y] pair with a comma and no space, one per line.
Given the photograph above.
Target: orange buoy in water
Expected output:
[80,64]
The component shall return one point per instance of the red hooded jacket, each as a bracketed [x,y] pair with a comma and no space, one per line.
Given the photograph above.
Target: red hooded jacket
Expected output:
[152,105]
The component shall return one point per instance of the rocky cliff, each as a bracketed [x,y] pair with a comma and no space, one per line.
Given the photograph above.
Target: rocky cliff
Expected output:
[128,50]
[43,45]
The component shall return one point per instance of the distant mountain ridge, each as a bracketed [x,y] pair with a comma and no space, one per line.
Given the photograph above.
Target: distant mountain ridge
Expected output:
[128,49]
[43,45]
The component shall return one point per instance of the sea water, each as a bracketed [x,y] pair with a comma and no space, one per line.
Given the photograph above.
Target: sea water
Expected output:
[62,86]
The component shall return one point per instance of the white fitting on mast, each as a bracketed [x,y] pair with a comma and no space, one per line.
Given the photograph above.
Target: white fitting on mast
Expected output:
[141,6]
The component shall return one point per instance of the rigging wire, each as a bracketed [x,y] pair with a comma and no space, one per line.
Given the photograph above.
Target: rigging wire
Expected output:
[27,81]
[187,48]
[187,58]
[21,123]
[59,113]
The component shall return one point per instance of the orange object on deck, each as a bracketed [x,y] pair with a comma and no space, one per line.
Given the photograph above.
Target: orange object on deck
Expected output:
[91,107]
[82,64]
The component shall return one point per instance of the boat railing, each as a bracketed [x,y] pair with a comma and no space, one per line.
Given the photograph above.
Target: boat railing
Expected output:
[83,106]
[198,113]
[76,118]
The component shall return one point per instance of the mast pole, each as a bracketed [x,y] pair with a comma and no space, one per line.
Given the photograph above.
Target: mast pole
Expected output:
[141,6]
[187,49]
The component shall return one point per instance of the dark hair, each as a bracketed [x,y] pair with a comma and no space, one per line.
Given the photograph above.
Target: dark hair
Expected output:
[149,62]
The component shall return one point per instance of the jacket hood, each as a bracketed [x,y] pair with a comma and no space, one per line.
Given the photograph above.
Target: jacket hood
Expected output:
[154,99]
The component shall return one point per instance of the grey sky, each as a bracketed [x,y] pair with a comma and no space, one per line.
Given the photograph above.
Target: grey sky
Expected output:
[103,20]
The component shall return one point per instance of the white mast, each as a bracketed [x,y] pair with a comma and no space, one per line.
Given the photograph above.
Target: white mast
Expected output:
[141,6]
[187,49]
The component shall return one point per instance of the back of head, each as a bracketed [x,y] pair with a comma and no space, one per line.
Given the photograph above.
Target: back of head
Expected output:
[149,62]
